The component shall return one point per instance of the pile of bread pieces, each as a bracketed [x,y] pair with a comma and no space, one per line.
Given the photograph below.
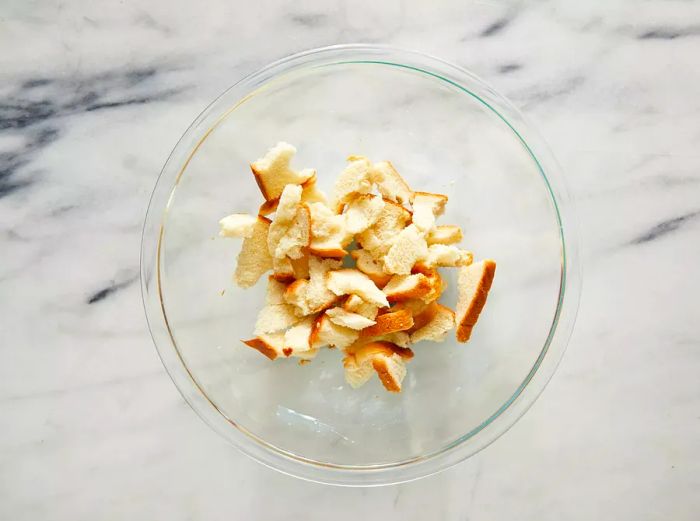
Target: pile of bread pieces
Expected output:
[374,310]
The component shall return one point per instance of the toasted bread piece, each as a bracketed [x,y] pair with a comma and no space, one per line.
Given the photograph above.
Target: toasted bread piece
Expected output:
[297,339]
[295,241]
[444,234]
[275,317]
[352,181]
[282,270]
[390,184]
[328,233]
[355,304]
[319,296]
[437,283]
[435,330]
[362,212]
[366,263]
[473,285]
[313,295]
[295,295]
[300,266]
[447,256]
[286,212]
[269,207]
[391,371]
[414,306]
[269,345]
[355,374]
[325,333]
[311,193]
[275,292]
[424,316]
[254,259]
[272,172]
[399,320]
[377,238]
[407,248]
[426,207]
[385,358]
[400,338]
[239,225]
[354,282]
[403,287]
[348,319]
[328,249]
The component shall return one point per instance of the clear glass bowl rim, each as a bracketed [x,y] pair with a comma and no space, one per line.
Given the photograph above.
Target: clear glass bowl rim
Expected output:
[469,443]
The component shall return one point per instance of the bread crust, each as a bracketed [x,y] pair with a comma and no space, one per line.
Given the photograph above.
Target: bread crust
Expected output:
[472,309]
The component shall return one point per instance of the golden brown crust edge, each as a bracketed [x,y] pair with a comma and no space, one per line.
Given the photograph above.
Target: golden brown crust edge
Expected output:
[382,369]
[258,179]
[471,315]
[263,347]
[423,288]
[390,322]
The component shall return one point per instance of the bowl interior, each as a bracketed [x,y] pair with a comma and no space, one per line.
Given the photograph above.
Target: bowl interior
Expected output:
[441,139]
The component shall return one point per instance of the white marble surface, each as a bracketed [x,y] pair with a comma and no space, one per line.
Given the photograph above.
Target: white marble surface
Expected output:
[94,95]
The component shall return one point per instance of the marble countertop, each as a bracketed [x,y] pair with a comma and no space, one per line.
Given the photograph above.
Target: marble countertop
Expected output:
[94,96]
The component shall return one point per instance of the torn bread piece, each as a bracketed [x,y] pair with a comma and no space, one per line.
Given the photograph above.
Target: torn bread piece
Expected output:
[399,320]
[407,248]
[273,173]
[400,338]
[254,259]
[238,225]
[391,371]
[366,263]
[325,333]
[473,285]
[286,212]
[414,306]
[311,296]
[275,292]
[353,180]
[355,304]
[404,287]
[377,238]
[282,270]
[385,358]
[349,319]
[328,233]
[300,266]
[295,295]
[318,295]
[444,234]
[362,212]
[390,184]
[426,207]
[297,236]
[437,283]
[354,282]
[355,374]
[310,193]
[269,345]
[441,320]
[297,340]
[442,255]
[275,317]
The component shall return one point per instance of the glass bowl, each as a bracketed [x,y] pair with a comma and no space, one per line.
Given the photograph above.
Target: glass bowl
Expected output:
[446,131]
